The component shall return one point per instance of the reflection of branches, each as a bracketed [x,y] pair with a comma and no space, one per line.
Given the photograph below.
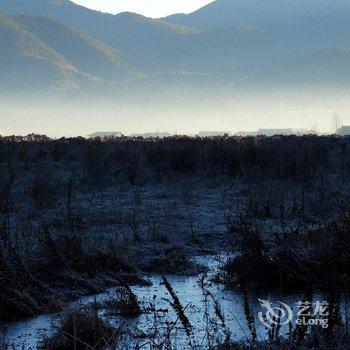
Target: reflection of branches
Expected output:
[178,308]
[217,308]
[249,316]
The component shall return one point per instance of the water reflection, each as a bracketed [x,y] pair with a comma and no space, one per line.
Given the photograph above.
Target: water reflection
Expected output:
[212,311]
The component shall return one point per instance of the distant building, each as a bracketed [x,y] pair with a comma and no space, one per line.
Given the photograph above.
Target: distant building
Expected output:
[156,134]
[273,132]
[246,133]
[212,133]
[304,132]
[344,130]
[105,134]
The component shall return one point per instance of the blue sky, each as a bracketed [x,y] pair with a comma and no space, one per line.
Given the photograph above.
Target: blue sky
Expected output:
[150,8]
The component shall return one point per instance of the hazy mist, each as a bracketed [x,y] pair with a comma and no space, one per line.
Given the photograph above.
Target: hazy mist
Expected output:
[186,113]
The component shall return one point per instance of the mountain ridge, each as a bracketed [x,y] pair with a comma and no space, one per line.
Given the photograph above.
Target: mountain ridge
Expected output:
[144,41]
[24,55]
[85,52]
[233,38]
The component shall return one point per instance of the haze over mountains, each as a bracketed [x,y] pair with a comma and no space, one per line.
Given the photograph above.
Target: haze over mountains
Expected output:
[224,48]
[239,37]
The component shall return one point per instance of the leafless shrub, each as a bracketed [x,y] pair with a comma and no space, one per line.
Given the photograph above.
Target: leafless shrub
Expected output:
[123,303]
[82,329]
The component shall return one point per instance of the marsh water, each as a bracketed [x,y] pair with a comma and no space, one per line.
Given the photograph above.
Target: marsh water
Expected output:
[240,311]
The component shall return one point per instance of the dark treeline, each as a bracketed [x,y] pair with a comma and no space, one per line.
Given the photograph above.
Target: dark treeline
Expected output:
[136,159]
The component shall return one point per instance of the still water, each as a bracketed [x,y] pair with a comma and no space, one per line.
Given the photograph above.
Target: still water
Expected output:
[243,314]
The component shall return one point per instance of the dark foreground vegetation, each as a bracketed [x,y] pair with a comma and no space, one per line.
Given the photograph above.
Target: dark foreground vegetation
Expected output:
[76,216]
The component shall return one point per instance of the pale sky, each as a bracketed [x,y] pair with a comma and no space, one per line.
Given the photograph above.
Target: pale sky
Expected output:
[150,8]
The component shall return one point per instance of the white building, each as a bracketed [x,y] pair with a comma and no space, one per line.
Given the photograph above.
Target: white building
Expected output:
[105,134]
[273,132]
[344,130]
[155,134]
[213,133]
[246,133]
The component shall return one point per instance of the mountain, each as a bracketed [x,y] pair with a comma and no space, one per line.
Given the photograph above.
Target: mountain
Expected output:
[294,27]
[146,42]
[265,14]
[39,52]
[227,40]
[83,51]
[152,45]
[319,68]
[26,62]
[226,35]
